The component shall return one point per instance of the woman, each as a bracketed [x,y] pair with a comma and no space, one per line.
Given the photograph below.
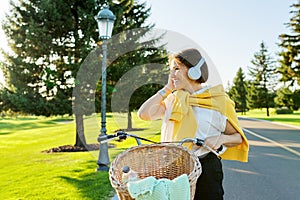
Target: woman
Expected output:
[190,109]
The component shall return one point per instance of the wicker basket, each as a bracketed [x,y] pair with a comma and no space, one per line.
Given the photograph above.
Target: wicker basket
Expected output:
[158,160]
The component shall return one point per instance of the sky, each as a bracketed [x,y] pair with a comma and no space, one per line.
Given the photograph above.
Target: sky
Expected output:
[230,31]
[3,8]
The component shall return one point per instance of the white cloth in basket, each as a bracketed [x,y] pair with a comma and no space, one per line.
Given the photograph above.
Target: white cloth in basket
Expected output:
[151,188]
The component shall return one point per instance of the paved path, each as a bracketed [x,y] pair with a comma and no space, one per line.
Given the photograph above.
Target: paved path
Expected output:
[273,168]
[272,172]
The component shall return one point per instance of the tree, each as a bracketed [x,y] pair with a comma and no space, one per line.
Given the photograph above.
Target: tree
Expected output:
[50,40]
[286,98]
[296,99]
[138,82]
[238,92]
[263,80]
[133,62]
[290,60]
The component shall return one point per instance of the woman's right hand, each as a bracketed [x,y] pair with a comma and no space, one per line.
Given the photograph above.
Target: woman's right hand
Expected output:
[170,85]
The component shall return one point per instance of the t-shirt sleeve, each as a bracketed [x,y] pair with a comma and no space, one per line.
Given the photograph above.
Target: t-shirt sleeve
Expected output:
[222,119]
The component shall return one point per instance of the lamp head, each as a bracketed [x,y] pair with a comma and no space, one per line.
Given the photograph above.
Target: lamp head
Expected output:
[105,19]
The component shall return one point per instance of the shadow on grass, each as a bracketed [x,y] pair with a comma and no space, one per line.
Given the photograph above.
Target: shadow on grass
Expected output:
[281,119]
[13,127]
[295,119]
[9,127]
[63,120]
[94,185]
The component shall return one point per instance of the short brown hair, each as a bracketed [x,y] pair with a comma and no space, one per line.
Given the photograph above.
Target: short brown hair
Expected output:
[191,57]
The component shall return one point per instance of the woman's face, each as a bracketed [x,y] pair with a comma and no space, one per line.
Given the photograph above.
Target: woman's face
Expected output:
[179,76]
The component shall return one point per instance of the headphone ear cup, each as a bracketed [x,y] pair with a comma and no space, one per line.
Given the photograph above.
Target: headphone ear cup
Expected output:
[194,73]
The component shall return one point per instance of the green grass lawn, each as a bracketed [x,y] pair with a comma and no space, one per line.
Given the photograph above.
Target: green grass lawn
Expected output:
[28,173]
[292,119]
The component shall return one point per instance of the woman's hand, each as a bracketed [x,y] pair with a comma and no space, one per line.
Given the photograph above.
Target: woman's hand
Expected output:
[214,142]
[170,85]
[229,138]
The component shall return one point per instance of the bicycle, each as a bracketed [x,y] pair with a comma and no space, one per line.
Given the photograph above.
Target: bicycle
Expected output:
[161,160]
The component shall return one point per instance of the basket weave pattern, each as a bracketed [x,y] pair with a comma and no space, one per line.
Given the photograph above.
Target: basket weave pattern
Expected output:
[158,160]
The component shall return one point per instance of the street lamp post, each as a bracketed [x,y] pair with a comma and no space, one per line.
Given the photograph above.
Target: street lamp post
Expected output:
[105,19]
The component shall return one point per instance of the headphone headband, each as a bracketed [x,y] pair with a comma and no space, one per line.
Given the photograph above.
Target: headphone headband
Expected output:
[200,63]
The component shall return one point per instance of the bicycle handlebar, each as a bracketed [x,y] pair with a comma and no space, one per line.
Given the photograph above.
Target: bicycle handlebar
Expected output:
[201,143]
[121,135]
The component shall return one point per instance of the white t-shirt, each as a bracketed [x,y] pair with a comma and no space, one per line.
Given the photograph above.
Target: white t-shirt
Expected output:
[210,122]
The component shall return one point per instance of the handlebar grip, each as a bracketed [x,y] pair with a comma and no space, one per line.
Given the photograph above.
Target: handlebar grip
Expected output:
[102,138]
[106,138]
[200,142]
[219,149]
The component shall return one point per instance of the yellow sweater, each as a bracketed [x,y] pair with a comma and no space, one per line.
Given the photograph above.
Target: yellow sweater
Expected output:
[215,98]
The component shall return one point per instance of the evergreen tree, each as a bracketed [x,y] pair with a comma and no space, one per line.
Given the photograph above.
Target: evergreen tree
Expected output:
[286,98]
[263,80]
[50,40]
[296,99]
[146,53]
[238,92]
[290,59]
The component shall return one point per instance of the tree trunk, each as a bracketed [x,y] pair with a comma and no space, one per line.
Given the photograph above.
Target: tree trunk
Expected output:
[267,104]
[80,138]
[268,113]
[129,121]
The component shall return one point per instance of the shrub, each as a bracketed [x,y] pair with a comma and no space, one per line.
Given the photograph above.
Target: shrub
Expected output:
[283,110]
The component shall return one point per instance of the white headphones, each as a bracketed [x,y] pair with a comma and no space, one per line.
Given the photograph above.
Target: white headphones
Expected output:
[194,73]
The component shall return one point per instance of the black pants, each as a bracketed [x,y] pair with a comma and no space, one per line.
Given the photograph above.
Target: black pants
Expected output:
[209,184]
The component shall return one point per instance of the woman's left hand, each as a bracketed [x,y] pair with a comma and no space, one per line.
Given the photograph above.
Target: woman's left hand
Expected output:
[214,142]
